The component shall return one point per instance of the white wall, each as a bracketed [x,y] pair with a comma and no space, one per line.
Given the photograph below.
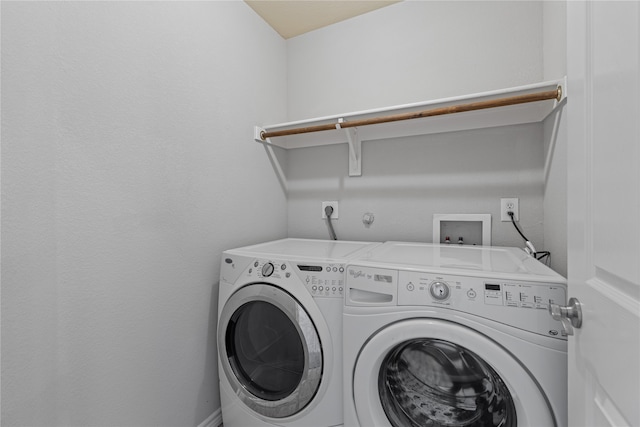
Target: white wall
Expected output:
[404,182]
[555,138]
[127,167]
[416,51]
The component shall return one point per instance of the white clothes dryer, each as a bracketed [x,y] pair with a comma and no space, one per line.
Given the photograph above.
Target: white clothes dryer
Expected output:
[280,332]
[448,335]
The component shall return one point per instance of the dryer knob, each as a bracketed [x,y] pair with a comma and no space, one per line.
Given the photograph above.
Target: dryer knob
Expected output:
[267,269]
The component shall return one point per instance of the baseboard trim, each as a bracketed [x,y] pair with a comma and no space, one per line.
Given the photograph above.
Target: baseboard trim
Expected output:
[213,420]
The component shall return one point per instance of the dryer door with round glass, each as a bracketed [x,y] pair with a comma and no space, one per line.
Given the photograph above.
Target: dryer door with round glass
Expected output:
[422,372]
[270,350]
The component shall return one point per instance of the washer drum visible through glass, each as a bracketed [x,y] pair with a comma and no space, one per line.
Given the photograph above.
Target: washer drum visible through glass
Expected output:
[432,382]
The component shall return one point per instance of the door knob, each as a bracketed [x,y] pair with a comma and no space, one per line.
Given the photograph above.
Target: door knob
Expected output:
[570,315]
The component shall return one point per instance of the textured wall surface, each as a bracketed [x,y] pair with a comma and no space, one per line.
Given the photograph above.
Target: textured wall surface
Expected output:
[128,165]
[410,52]
[414,51]
[405,181]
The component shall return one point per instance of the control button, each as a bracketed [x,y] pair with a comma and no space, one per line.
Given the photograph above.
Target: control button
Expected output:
[288,275]
[255,264]
[410,286]
[341,269]
[439,290]
[250,270]
[321,288]
[471,293]
[267,269]
[340,289]
[333,289]
[314,288]
[328,268]
[335,269]
[283,267]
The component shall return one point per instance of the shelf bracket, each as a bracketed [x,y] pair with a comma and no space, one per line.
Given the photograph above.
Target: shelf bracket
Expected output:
[257,135]
[355,149]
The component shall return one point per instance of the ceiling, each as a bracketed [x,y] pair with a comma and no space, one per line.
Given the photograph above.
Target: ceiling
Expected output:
[291,18]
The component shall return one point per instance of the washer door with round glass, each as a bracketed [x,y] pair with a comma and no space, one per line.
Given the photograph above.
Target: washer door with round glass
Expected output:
[426,372]
[270,350]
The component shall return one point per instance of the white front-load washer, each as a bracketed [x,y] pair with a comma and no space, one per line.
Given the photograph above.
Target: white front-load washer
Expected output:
[448,335]
[280,332]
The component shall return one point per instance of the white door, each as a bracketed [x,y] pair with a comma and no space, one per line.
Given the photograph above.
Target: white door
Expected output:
[603,48]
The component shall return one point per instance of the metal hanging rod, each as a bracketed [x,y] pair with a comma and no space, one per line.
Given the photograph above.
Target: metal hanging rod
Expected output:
[460,108]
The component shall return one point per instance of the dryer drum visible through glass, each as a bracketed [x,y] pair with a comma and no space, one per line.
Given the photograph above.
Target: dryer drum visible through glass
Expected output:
[271,350]
[433,382]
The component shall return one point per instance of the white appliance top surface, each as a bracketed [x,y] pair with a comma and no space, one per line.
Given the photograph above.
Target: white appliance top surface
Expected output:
[490,261]
[328,250]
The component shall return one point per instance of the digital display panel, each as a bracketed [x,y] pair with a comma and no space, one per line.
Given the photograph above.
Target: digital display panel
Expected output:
[310,267]
[383,278]
[491,287]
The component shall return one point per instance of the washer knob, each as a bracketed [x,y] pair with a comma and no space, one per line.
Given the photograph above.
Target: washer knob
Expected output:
[439,290]
[267,269]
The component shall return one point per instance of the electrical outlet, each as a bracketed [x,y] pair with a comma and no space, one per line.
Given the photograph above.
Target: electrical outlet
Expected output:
[334,205]
[509,205]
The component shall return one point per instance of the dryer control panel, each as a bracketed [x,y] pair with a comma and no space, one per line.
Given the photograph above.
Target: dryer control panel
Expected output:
[320,279]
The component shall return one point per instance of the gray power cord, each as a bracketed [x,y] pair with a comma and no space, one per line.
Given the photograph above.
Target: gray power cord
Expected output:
[328,210]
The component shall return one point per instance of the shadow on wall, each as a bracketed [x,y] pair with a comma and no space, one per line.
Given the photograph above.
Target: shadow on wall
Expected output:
[451,164]
[209,389]
[406,181]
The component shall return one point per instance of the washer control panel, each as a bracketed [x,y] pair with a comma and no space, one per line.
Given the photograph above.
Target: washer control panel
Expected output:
[320,279]
[520,304]
[446,290]
[517,303]
[439,290]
